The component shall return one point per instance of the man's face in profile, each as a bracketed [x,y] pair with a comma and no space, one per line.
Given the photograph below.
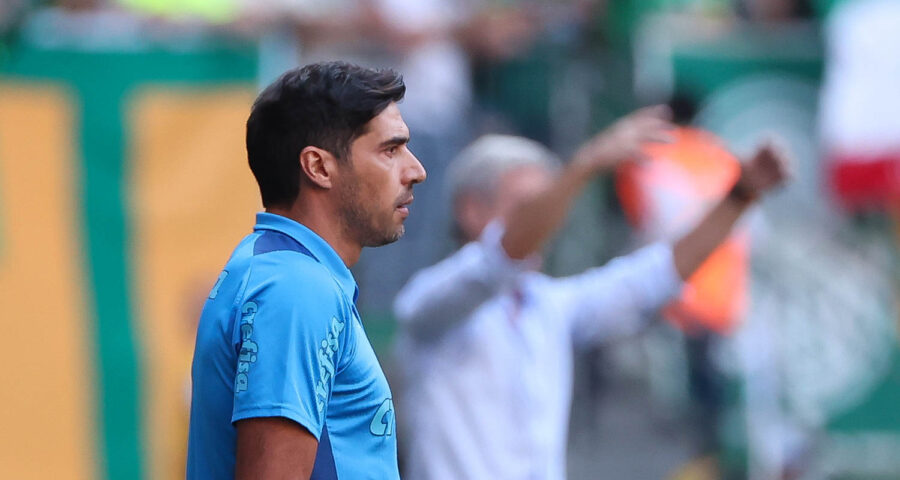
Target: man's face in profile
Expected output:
[375,186]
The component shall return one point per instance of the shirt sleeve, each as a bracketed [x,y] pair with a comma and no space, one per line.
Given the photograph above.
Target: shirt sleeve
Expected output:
[289,339]
[615,299]
[442,296]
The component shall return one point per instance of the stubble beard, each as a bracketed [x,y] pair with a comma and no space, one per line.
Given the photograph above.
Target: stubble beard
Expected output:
[361,222]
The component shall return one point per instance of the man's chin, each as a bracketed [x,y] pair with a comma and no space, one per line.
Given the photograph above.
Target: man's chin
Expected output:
[388,238]
[397,234]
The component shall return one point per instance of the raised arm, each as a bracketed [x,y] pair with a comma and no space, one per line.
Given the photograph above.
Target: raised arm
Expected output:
[766,169]
[609,300]
[534,220]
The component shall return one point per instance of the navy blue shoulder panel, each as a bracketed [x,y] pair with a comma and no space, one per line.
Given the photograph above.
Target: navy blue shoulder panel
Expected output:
[324,468]
[272,241]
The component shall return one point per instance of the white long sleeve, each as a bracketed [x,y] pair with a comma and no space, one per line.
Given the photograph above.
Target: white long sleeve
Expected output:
[440,297]
[613,299]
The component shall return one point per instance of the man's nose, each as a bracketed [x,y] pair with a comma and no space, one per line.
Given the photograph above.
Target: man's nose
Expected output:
[415,173]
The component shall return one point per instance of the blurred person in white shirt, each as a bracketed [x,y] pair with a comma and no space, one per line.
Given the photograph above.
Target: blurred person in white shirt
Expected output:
[486,340]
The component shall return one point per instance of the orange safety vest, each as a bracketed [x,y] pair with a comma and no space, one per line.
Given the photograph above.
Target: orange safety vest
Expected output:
[666,196]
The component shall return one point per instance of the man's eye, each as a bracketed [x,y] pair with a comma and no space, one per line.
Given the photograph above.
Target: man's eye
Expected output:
[393,150]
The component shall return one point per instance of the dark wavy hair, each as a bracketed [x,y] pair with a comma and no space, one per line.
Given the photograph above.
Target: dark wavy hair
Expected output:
[326,105]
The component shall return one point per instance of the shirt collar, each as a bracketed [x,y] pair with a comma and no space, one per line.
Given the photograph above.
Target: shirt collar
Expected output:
[320,249]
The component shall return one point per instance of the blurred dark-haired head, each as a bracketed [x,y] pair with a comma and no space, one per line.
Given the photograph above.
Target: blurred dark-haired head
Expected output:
[683,108]
[326,105]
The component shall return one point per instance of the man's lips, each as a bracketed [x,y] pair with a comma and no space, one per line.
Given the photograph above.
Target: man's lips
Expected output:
[403,206]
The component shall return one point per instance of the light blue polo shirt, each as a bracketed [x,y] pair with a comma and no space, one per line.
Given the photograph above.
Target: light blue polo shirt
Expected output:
[280,336]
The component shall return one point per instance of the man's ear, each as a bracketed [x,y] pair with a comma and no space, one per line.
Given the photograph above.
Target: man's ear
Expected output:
[319,166]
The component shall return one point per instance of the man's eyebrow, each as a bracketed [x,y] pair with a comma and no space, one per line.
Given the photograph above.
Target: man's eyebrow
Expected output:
[397,140]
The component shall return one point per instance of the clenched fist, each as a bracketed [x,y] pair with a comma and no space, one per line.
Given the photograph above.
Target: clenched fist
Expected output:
[765,170]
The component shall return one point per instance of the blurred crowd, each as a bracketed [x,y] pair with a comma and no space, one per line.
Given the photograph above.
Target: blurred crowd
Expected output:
[557,71]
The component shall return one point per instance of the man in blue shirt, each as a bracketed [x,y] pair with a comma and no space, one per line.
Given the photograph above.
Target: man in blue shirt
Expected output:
[285,382]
